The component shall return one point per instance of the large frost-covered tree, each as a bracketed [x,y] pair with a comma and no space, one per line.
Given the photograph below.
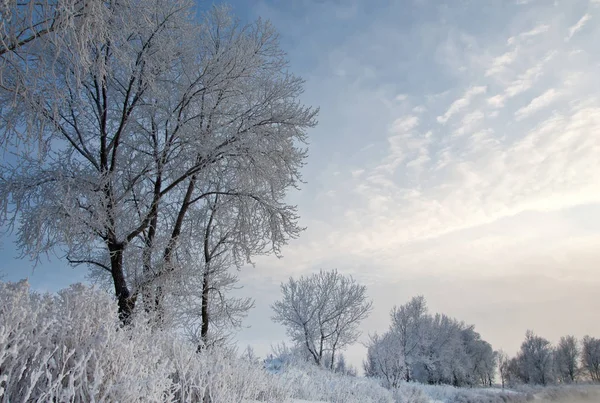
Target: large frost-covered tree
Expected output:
[322,313]
[122,142]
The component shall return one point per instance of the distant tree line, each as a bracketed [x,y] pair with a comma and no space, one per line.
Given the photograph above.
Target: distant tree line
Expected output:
[432,349]
[539,362]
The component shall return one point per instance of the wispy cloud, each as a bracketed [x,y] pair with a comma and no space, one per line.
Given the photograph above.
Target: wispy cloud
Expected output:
[521,83]
[538,30]
[404,124]
[578,26]
[537,104]
[500,63]
[461,103]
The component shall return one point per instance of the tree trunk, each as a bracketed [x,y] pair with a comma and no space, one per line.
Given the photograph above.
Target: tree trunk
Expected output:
[126,303]
[204,309]
[332,357]
[206,279]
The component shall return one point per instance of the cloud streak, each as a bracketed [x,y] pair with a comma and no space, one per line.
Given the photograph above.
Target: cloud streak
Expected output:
[537,104]
[461,103]
[578,26]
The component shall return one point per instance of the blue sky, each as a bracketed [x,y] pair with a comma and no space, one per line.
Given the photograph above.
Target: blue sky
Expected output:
[456,157]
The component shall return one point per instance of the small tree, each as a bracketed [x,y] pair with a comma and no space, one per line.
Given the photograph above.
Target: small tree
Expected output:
[385,360]
[322,313]
[503,367]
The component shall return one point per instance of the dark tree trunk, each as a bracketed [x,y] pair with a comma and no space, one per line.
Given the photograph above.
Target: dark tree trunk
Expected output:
[125,301]
[206,279]
[204,309]
[332,358]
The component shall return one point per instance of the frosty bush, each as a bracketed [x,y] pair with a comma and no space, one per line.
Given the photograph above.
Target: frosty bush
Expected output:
[310,382]
[451,394]
[71,347]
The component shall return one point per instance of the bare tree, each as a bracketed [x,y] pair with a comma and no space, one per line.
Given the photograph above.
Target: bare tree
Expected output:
[503,367]
[134,141]
[590,357]
[566,357]
[322,313]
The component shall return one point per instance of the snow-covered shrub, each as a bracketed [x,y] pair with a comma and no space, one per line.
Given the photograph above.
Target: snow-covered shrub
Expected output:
[451,394]
[71,347]
[303,380]
[409,393]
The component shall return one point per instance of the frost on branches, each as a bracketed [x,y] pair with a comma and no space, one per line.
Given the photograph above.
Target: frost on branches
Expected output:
[153,148]
[431,349]
[71,347]
[322,313]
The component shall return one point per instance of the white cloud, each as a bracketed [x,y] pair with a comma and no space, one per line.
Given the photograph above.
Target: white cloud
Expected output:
[500,63]
[578,26]
[404,124]
[461,103]
[538,30]
[497,101]
[357,173]
[469,122]
[537,104]
[522,83]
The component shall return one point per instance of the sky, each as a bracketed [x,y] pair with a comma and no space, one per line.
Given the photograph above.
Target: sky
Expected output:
[456,157]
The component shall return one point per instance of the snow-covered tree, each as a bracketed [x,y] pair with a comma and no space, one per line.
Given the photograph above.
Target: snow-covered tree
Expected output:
[24,22]
[534,362]
[385,360]
[503,367]
[26,27]
[409,323]
[566,359]
[434,349]
[322,313]
[482,362]
[135,143]
[590,357]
